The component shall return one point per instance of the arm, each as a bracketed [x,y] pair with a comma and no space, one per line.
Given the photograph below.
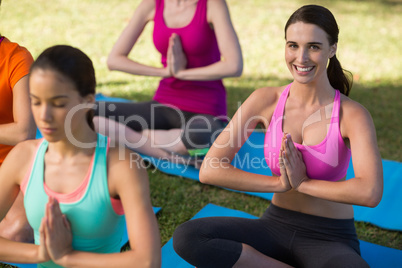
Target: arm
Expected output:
[366,188]
[23,127]
[118,57]
[229,46]
[216,168]
[11,174]
[128,181]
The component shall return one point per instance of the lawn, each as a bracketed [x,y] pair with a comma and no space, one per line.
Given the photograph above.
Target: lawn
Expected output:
[368,46]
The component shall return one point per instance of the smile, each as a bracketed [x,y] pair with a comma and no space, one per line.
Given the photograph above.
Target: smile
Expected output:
[304,69]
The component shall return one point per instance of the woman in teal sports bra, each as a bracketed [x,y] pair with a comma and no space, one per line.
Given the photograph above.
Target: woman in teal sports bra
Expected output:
[312,130]
[78,190]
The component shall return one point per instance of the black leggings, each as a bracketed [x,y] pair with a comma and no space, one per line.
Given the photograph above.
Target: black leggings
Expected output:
[295,238]
[200,130]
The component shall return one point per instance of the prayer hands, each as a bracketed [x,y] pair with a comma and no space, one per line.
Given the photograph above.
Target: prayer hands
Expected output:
[292,161]
[55,232]
[284,177]
[43,255]
[176,59]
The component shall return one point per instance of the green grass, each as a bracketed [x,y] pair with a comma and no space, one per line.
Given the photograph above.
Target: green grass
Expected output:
[369,47]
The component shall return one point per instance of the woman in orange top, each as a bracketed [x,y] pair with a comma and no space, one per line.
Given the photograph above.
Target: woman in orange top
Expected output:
[16,123]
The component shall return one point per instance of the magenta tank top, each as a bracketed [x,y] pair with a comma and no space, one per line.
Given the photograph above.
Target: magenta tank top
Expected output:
[201,49]
[328,160]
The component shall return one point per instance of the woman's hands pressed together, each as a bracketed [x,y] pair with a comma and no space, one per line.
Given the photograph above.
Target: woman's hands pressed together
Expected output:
[284,176]
[55,233]
[176,59]
[291,163]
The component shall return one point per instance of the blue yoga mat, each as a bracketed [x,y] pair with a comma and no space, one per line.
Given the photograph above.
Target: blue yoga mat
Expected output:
[124,241]
[101,97]
[251,158]
[376,256]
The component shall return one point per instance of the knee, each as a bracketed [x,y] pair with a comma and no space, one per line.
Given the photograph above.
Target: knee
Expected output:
[202,133]
[347,261]
[185,238]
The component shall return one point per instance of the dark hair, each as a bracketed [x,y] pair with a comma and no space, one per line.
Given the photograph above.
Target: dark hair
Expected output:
[313,14]
[72,63]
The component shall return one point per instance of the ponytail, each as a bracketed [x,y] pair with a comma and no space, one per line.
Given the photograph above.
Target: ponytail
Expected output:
[339,78]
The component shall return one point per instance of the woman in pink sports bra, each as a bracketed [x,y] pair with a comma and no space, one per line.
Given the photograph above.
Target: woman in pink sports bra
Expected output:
[313,129]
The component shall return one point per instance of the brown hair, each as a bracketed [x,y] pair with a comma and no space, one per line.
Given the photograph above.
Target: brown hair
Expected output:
[74,64]
[313,14]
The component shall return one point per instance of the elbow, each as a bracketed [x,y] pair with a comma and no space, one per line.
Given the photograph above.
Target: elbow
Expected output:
[213,169]
[31,133]
[146,261]
[111,63]
[233,68]
[237,69]
[205,175]
[374,201]
[373,198]
[153,263]
[27,133]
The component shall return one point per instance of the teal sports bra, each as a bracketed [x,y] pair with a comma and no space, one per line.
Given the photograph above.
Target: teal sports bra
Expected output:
[95,225]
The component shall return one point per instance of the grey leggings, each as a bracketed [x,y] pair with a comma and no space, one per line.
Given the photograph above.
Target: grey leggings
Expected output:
[200,130]
[294,238]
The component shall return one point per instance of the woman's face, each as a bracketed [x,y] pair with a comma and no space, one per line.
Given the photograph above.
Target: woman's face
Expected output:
[307,52]
[53,96]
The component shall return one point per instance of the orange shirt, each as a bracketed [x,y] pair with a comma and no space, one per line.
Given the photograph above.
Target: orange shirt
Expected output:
[15,62]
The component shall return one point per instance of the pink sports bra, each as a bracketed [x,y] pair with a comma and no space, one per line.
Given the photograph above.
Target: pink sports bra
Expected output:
[328,160]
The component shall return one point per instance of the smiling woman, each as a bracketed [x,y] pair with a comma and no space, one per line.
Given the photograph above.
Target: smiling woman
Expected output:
[312,130]
[75,196]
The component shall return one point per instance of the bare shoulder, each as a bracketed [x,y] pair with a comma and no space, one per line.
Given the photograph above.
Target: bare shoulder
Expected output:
[121,159]
[148,3]
[146,9]
[216,3]
[24,150]
[260,105]
[269,94]
[265,98]
[20,158]
[217,8]
[352,110]
[126,169]
[354,117]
